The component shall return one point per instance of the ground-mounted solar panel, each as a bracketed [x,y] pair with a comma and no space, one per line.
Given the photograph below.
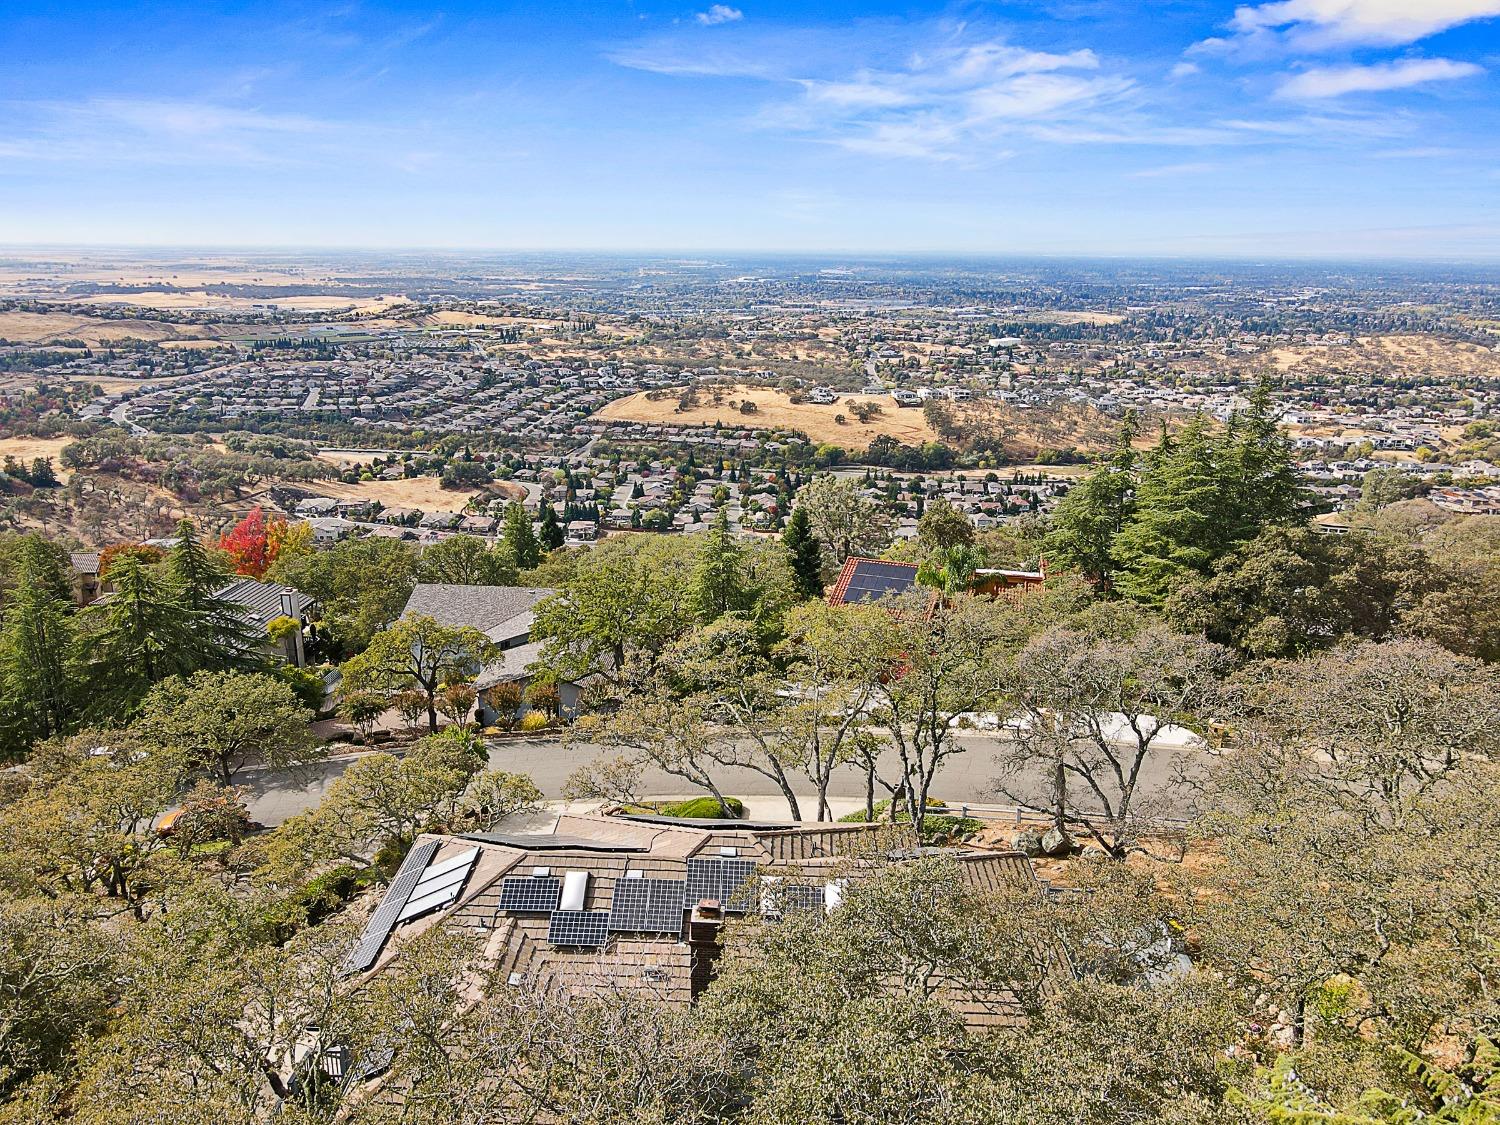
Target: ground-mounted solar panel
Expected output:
[648,906]
[530,894]
[396,896]
[578,927]
[439,885]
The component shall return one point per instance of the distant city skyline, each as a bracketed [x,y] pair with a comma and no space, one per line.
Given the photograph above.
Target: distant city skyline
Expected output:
[1326,129]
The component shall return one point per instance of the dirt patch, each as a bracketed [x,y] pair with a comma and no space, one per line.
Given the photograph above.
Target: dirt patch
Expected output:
[774,410]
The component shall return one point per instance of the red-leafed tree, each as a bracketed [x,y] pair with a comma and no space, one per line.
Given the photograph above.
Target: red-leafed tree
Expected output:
[252,544]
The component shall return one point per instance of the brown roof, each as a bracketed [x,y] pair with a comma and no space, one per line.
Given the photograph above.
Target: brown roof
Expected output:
[608,848]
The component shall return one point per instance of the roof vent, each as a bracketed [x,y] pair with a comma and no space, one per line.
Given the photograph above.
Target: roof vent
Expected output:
[635,874]
[729,851]
[540,872]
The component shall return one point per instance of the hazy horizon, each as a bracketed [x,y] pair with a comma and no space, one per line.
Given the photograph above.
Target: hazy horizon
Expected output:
[1325,130]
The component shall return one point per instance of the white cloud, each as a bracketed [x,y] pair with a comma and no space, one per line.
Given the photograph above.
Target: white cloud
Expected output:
[1320,24]
[937,102]
[1185,70]
[719,13]
[1335,81]
[1194,168]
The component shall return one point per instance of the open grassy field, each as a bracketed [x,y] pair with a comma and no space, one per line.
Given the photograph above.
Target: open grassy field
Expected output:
[27,449]
[45,328]
[426,493]
[775,410]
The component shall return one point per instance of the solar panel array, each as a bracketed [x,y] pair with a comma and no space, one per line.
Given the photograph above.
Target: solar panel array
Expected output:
[722,879]
[438,885]
[648,906]
[578,927]
[871,580]
[379,927]
[530,894]
[788,898]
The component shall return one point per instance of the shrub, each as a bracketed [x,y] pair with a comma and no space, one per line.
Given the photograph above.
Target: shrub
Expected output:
[705,808]
[534,720]
[306,684]
[314,901]
[505,700]
[544,697]
[942,828]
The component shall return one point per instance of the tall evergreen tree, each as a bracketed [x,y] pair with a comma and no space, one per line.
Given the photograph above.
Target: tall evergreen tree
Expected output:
[1094,511]
[142,633]
[37,648]
[225,638]
[551,534]
[719,578]
[1177,529]
[1263,485]
[805,552]
[520,537]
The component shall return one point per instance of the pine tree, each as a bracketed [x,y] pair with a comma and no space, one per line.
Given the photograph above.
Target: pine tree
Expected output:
[37,648]
[551,535]
[142,634]
[1178,528]
[521,538]
[1094,511]
[226,639]
[1264,487]
[806,554]
[719,580]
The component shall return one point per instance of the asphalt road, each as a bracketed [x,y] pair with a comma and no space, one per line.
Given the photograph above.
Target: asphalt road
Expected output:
[968,777]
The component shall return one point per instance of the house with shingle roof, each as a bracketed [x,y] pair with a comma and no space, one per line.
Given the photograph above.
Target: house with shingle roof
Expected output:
[610,903]
[504,615]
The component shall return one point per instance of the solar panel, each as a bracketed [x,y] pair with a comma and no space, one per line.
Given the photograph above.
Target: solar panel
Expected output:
[733,875]
[702,879]
[788,898]
[439,885]
[872,580]
[722,879]
[648,906]
[578,927]
[530,894]
[379,927]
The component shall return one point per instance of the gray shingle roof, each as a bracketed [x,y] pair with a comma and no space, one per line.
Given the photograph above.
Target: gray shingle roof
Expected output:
[261,601]
[483,607]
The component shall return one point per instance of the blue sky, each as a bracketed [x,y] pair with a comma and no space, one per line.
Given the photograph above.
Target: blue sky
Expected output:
[1322,128]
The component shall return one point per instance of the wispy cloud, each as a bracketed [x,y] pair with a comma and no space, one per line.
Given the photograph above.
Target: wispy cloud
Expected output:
[210,134]
[1169,171]
[940,101]
[1315,25]
[1336,81]
[719,13]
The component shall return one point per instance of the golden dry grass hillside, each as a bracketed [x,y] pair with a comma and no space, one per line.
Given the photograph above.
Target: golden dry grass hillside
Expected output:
[47,328]
[27,449]
[1023,433]
[425,493]
[774,410]
[1374,355]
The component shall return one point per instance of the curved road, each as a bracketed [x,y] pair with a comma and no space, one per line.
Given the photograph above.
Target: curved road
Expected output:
[964,778]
